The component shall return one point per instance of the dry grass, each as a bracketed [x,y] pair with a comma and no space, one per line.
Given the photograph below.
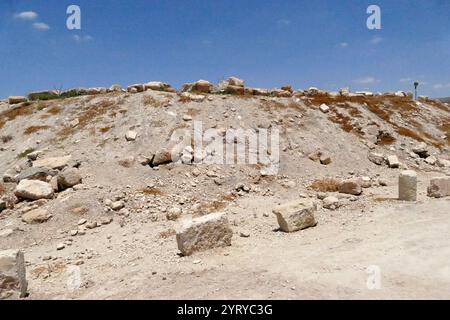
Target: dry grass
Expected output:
[2,189]
[152,192]
[89,115]
[152,102]
[34,129]
[105,129]
[184,99]
[325,185]
[344,121]
[12,114]
[167,233]
[54,110]
[214,206]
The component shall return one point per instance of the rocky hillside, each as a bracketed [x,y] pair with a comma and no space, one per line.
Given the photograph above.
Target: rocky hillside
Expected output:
[85,167]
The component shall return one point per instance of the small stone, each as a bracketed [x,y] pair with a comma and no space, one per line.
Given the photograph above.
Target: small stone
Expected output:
[131,135]
[81,222]
[296,215]
[60,246]
[117,205]
[393,161]
[244,234]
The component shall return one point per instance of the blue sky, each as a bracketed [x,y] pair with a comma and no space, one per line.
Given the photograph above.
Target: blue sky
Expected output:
[322,43]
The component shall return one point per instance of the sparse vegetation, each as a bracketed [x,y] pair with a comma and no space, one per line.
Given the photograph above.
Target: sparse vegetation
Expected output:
[34,129]
[325,185]
[25,153]
[152,191]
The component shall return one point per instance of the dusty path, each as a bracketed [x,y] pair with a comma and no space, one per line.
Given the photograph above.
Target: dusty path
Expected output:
[409,243]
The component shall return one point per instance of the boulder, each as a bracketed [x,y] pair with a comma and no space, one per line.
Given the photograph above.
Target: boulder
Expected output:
[69,178]
[351,186]
[407,186]
[376,158]
[36,216]
[296,215]
[393,161]
[233,81]
[439,187]
[260,92]
[52,163]
[234,90]
[34,190]
[280,93]
[344,91]
[163,156]
[202,86]
[156,86]
[16,99]
[12,274]
[115,88]
[203,233]
[193,97]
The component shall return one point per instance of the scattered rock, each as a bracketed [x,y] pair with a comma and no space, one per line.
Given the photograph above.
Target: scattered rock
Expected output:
[69,178]
[60,246]
[376,158]
[407,186]
[203,233]
[34,190]
[12,274]
[422,150]
[36,216]
[173,214]
[393,162]
[351,186]
[131,135]
[35,174]
[366,182]
[117,205]
[325,159]
[331,203]
[296,215]
[53,163]
[431,160]
[443,163]
[324,108]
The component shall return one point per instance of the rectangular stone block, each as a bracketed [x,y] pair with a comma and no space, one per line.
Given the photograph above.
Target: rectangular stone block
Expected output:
[439,187]
[296,215]
[203,233]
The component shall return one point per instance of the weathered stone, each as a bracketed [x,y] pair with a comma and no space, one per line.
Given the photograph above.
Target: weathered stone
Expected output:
[12,274]
[16,99]
[366,182]
[376,158]
[35,173]
[10,176]
[117,205]
[69,178]
[53,163]
[325,159]
[407,186]
[439,187]
[163,156]
[115,88]
[393,162]
[351,186]
[193,97]
[296,215]
[34,190]
[202,86]
[234,90]
[203,233]
[36,216]
[422,150]
[131,135]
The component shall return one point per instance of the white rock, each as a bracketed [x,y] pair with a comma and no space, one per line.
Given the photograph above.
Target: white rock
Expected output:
[324,108]
[131,135]
[53,163]
[331,203]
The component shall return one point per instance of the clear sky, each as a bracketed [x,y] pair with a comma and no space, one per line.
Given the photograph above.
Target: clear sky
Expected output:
[322,43]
